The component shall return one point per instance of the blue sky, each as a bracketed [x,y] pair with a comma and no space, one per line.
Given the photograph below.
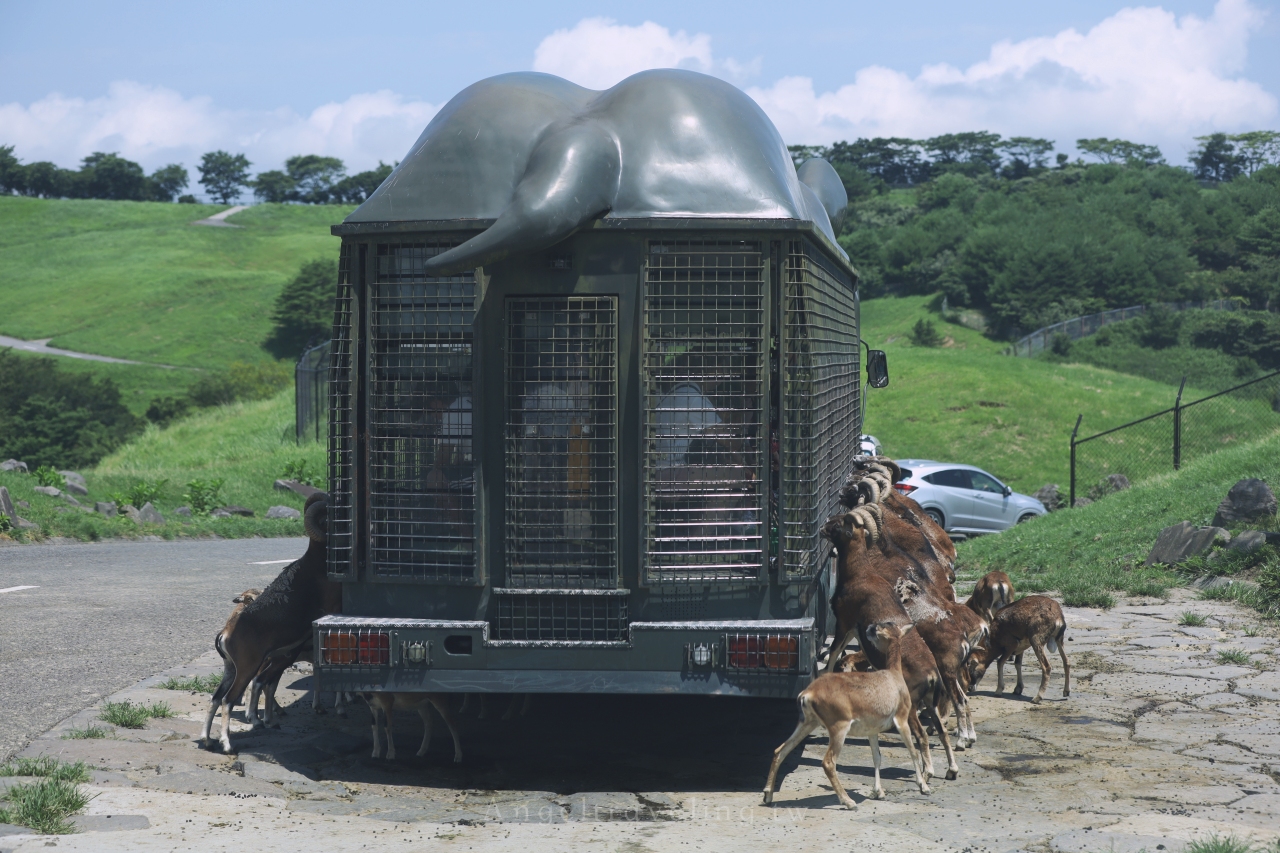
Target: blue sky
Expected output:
[162,82]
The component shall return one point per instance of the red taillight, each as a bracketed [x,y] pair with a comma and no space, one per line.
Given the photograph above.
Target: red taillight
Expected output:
[764,651]
[905,488]
[345,648]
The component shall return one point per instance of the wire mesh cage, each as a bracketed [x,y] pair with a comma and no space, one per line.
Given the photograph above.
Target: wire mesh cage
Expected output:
[421,467]
[340,551]
[561,441]
[821,403]
[703,364]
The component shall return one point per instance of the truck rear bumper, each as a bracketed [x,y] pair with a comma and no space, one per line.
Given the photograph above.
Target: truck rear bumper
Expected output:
[766,658]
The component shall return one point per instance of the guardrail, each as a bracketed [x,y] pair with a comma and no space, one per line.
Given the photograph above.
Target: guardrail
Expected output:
[1080,327]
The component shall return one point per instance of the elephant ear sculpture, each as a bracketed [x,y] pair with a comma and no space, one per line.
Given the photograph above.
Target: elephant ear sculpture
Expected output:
[540,158]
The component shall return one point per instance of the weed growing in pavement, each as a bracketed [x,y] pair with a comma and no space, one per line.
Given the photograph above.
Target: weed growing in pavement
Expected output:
[44,806]
[1236,656]
[130,716]
[1191,620]
[1252,630]
[1219,844]
[87,733]
[195,684]
[47,767]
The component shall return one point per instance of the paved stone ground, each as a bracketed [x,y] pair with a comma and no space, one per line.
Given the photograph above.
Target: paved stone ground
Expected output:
[1158,744]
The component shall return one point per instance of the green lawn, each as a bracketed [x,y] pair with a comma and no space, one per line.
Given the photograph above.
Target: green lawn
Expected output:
[966,402]
[1087,552]
[245,444]
[136,280]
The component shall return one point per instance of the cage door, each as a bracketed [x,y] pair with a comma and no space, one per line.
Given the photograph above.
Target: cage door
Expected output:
[561,441]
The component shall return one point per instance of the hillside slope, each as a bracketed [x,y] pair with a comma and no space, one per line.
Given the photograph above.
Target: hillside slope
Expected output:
[1087,551]
[136,280]
[966,402]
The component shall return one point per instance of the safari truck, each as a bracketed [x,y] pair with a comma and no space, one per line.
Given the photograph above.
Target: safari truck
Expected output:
[594,387]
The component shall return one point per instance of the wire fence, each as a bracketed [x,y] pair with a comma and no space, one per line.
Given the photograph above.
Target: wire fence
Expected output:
[1165,440]
[311,394]
[1080,327]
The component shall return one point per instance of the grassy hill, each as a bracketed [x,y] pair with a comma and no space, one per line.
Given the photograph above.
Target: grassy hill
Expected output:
[1088,552]
[136,280]
[965,402]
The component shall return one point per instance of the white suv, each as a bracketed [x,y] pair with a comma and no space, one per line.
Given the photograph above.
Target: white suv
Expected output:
[964,499]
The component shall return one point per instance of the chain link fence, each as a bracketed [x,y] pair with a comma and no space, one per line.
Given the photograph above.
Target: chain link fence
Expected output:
[1165,440]
[1080,327]
[311,394]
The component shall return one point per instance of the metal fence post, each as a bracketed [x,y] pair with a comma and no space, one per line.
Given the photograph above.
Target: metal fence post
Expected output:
[1079,418]
[1177,427]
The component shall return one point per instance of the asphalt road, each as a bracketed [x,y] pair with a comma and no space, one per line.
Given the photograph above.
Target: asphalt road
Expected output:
[99,617]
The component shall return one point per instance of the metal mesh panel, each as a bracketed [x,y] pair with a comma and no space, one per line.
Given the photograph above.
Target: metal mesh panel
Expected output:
[703,411]
[561,441]
[821,400]
[559,617]
[341,429]
[421,472]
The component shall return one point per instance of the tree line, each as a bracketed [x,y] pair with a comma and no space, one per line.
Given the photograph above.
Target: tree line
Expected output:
[993,226]
[305,179]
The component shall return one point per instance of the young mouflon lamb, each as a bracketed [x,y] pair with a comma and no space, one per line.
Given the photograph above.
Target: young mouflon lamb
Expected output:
[862,704]
[386,703]
[1034,622]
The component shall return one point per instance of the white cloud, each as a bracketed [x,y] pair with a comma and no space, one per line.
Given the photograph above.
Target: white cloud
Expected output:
[154,126]
[1141,74]
[599,52]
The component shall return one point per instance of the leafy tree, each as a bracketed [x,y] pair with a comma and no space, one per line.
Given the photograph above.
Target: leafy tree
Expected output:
[1120,151]
[1257,149]
[359,187]
[46,180]
[110,176]
[314,177]
[1025,153]
[303,312]
[13,177]
[972,153]
[66,420]
[275,187]
[1215,159]
[223,175]
[166,182]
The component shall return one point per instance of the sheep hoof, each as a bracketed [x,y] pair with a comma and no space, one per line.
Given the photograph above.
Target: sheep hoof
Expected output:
[925,789]
[951,775]
[1036,701]
[768,798]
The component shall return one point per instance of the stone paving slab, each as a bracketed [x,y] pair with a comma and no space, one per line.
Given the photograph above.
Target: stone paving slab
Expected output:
[1157,745]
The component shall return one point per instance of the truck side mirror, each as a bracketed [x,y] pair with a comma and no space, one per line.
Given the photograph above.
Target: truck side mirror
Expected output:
[877,368]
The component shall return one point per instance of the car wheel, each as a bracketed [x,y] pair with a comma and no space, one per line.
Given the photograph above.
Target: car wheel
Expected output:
[1026,517]
[937,517]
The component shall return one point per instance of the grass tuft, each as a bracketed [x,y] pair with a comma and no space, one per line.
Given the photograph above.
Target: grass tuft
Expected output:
[1088,597]
[1236,656]
[1191,620]
[47,767]
[194,684]
[1252,630]
[44,806]
[130,716]
[87,733]
[1220,844]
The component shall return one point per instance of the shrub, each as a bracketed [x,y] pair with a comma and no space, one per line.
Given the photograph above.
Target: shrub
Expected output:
[47,767]
[60,419]
[165,410]
[195,684]
[204,496]
[924,334]
[298,471]
[44,806]
[1061,344]
[138,494]
[46,476]
[241,381]
[303,312]
[127,715]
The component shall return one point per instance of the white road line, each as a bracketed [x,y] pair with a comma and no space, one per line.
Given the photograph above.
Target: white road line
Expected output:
[271,562]
[16,589]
